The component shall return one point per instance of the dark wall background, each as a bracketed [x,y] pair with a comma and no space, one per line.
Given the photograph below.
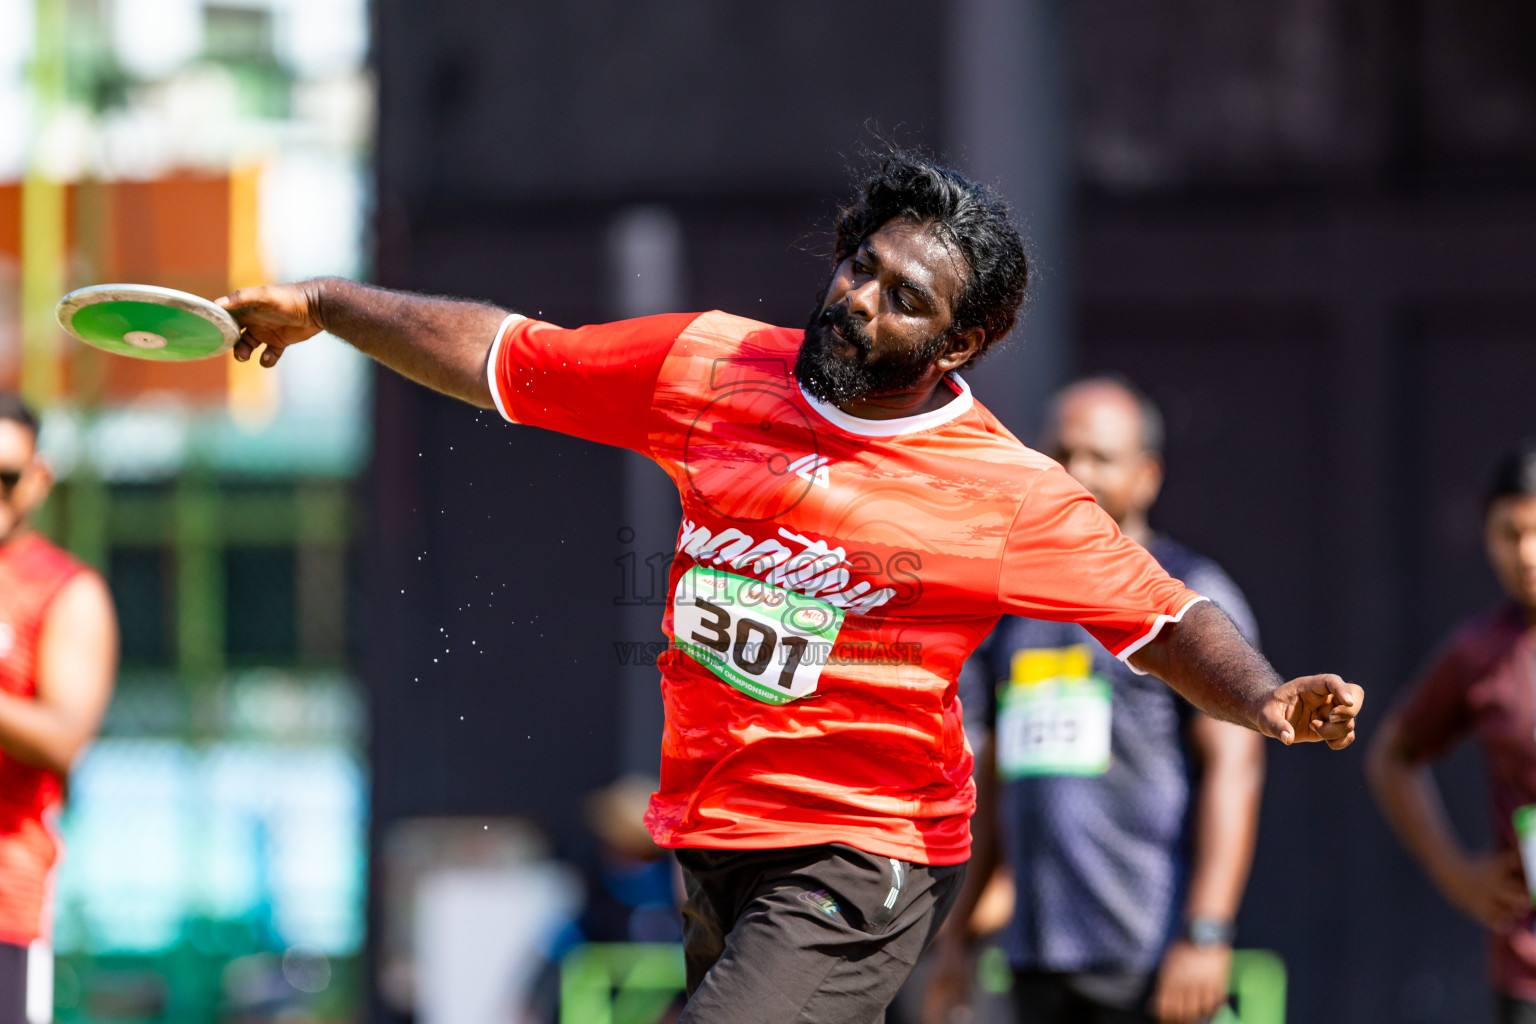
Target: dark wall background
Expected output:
[1338,380]
[1308,228]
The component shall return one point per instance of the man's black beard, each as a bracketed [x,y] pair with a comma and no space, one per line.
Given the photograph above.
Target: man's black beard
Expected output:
[836,378]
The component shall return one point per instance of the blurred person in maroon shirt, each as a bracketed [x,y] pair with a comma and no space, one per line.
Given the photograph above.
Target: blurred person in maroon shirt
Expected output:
[1482,684]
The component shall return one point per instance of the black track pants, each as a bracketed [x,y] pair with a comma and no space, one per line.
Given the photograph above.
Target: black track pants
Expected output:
[805,935]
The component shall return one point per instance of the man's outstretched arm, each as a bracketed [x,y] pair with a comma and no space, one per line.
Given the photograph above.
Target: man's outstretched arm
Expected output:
[441,343]
[1206,659]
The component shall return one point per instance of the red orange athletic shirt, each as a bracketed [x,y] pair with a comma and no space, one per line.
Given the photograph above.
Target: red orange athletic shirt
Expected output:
[32,572]
[916,533]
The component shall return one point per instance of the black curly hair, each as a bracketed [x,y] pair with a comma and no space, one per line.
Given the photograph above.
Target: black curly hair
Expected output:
[1515,474]
[14,410]
[970,216]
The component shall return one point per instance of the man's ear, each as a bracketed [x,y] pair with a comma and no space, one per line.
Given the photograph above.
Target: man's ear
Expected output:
[33,487]
[962,348]
[1149,480]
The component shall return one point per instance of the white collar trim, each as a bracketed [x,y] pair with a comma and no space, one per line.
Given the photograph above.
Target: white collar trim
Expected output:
[953,409]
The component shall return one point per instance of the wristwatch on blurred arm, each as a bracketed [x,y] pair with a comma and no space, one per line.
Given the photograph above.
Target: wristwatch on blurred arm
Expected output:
[1203,932]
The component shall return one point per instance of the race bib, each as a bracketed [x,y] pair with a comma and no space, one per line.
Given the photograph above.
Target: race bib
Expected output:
[768,642]
[1053,715]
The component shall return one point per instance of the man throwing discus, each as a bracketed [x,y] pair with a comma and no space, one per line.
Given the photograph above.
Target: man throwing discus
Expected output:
[854,524]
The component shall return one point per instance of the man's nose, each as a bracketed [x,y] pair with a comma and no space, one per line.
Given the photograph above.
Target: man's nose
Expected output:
[864,300]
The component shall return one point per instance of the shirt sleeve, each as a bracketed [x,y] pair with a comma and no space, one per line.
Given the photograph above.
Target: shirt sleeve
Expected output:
[593,382]
[1065,560]
[1435,715]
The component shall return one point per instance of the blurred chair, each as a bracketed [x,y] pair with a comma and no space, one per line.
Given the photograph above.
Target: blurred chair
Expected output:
[621,982]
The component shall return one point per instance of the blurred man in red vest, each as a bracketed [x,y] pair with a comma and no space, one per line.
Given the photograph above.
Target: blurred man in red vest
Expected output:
[58,658]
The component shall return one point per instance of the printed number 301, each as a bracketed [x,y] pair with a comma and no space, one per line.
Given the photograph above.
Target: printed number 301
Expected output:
[753,645]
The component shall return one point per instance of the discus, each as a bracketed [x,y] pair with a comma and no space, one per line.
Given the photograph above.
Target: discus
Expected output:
[145,321]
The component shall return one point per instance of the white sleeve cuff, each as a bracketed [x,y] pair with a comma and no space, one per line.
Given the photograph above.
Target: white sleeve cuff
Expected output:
[1151,634]
[490,365]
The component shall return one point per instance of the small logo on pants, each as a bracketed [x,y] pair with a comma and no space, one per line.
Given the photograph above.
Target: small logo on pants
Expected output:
[821,901]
